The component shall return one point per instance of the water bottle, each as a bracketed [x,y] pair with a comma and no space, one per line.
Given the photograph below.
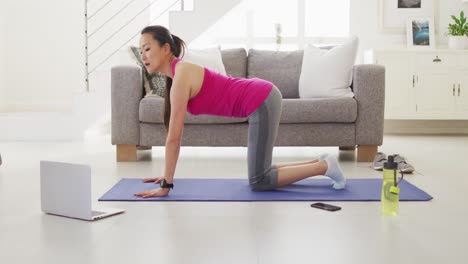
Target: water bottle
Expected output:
[390,190]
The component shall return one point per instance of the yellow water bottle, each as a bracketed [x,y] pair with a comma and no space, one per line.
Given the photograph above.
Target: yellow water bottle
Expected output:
[390,191]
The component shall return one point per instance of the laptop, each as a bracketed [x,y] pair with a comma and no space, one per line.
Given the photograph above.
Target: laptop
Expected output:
[66,191]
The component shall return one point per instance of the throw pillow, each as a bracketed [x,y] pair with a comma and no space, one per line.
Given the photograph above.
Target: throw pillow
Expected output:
[328,73]
[154,83]
[209,58]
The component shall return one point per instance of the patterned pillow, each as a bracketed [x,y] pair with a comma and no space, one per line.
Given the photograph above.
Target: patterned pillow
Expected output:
[154,83]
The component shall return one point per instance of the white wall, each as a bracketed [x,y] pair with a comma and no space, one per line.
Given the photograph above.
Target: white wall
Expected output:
[2,69]
[43,50]
[365,24]
[42,68]
[43,88]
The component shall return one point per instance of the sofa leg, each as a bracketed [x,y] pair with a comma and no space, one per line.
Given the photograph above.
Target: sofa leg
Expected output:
[348,148]
[126,152]
[366,153]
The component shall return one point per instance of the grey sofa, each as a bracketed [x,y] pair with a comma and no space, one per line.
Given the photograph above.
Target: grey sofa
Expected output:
[343,122]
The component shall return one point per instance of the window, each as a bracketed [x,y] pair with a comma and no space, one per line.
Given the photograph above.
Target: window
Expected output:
[267,14]
[280,25]
[327,18]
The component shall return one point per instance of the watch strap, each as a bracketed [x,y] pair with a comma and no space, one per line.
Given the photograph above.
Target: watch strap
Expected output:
[164,184]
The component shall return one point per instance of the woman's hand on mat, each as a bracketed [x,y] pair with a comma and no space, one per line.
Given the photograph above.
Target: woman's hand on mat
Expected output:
[155,179]
[158,192]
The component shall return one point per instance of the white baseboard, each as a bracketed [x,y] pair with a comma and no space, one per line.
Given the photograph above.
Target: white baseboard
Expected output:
[38,126]
[426,127]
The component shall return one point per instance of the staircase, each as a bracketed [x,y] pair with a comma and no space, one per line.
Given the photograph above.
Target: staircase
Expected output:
[111,32]
[113,25]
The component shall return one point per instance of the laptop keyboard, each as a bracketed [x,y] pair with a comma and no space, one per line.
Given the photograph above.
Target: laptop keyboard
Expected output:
[96,213]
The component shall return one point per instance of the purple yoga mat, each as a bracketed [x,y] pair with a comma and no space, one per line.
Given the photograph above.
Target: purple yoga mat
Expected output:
[239,190]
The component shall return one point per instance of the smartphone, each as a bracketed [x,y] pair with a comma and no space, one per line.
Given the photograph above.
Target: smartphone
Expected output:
[325,206]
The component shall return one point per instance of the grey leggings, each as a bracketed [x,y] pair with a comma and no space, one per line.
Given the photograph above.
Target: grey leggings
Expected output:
[263,127]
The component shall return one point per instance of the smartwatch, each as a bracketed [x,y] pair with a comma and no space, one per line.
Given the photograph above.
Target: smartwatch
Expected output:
[166,185]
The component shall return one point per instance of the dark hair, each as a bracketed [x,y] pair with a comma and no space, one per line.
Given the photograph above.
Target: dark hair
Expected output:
[178,46]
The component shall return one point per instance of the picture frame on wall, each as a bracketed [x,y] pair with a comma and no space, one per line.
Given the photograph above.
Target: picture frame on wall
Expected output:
[395,13]
[420,32]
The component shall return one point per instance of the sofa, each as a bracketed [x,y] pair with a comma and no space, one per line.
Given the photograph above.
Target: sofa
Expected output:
[349,123]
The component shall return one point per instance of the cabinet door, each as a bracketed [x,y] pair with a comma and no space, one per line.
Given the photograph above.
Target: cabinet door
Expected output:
[461,94]
[434,91]
[399,96]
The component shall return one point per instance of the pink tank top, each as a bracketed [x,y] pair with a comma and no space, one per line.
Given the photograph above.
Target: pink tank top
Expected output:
[226,96]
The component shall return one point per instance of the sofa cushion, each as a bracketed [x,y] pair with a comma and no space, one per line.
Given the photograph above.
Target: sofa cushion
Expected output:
[282,68]
[314,110]
[295,111]
[328,73]
[210,58]
[154,83]
[152,109]
[235,62]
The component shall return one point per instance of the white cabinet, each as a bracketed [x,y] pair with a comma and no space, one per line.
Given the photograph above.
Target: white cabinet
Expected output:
[433,92]
[424,84]
[462,92]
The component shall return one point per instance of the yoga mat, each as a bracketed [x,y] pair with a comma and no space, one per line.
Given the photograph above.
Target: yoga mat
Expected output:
[237,190]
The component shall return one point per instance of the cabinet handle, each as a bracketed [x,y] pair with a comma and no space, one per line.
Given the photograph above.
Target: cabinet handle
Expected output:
[437,59]
[413,80]
[453,90]
[458,89]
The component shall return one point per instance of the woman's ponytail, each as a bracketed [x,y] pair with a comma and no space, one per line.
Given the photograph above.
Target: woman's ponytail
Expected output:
[179,46]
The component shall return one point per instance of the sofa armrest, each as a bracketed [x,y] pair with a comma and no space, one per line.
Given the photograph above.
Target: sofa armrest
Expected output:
[126,93]
[369,92]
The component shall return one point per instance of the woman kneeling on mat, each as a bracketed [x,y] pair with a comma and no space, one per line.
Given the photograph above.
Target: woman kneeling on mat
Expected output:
[199,90]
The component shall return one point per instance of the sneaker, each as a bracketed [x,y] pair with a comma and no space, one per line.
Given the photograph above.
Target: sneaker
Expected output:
[379,160]
[403,166]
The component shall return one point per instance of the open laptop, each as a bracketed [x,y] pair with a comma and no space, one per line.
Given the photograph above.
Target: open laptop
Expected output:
[66,191]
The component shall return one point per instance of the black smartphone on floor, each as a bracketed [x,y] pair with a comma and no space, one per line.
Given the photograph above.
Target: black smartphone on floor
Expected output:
[325,206]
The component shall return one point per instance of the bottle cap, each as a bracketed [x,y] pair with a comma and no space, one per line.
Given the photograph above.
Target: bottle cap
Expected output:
[390,164]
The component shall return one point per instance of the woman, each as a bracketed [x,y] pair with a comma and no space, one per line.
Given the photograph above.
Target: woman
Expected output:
[199,90]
